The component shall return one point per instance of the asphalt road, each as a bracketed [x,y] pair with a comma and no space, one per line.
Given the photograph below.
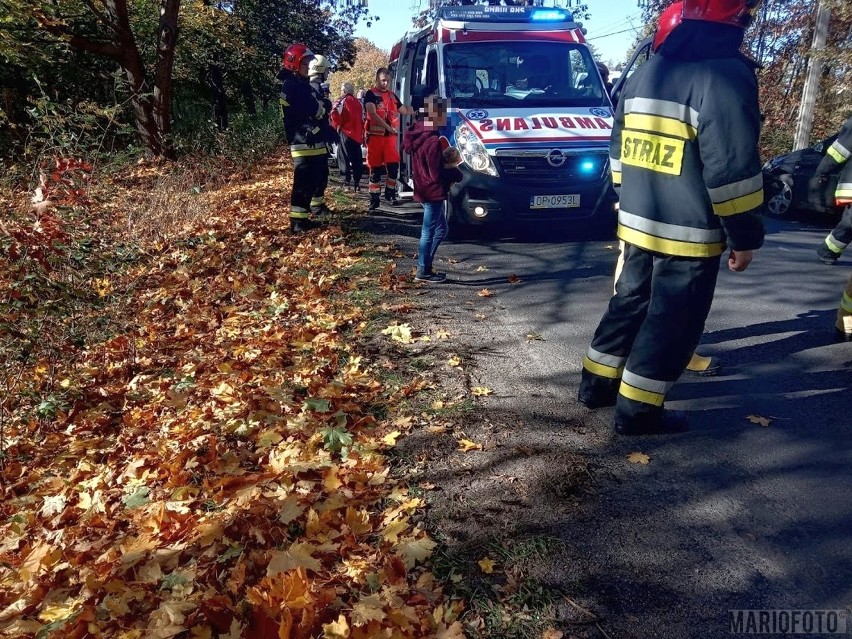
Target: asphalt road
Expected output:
[732,515]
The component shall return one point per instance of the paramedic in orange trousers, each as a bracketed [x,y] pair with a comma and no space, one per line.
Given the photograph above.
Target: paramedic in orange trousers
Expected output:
[685,160]
[383,109]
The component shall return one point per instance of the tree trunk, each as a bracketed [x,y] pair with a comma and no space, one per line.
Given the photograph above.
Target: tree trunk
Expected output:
[163,75]
[216,82]
[249,98]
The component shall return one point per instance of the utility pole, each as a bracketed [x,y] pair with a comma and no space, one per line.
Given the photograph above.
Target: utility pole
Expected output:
[809,94]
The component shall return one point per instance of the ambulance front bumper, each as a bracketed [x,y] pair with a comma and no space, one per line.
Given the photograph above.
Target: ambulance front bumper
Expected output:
[481,199]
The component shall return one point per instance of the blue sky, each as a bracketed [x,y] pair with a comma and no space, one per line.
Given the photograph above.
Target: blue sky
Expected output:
[612,28]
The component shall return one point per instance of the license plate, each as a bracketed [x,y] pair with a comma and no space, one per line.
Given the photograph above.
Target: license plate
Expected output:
[554,201]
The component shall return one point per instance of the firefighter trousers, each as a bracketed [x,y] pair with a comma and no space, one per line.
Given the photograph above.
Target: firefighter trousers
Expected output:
[318,196]
[307,164]
[841,236]
[647,334]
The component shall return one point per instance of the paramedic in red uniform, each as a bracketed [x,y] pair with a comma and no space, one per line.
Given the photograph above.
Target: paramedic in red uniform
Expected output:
[383,109]
[684,157]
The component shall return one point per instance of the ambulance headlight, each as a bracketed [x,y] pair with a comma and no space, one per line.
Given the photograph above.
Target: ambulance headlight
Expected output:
[473,152]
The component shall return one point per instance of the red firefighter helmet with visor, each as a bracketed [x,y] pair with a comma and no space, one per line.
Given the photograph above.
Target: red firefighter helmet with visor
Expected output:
[294,55]
[669,20]
[736,12]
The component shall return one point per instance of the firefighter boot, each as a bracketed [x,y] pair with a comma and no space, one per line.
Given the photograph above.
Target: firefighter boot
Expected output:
[597,392]
[375,201]
[300,225]
[826,255]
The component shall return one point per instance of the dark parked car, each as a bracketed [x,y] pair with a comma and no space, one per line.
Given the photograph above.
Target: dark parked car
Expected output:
[786,179]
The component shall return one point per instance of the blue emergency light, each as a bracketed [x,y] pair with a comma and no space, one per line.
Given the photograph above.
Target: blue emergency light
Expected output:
[549,15]
[587,166]
[497,13]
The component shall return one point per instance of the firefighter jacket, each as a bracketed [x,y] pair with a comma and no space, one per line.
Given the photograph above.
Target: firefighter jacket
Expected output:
[387,109]
[684,156]
[839,153]
[328,132]
[302,116]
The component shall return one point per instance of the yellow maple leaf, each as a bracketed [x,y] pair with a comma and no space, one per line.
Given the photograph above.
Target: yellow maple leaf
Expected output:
[454,360]
[467,445]
[487,565]
[298,555]
[757,419]
[485,293]
[336,629]
[481,269]
[481,391]
[290,509]
[390,438]
[399,333]
[331,481]
[442,334]
[639,458]
[393,529]
[367,609]
[413,550]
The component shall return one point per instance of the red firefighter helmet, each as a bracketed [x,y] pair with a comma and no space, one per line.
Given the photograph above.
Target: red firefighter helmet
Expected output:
[293,56]
[669,19]
[736,12]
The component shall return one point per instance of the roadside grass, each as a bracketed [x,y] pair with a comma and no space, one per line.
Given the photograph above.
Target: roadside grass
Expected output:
[509,602]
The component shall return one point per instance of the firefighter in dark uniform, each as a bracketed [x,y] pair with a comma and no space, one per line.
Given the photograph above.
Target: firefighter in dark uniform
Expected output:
[684,156]
[302,126]
[838,154]
[318,74]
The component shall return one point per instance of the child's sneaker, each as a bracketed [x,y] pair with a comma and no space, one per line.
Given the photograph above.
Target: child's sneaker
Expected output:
[430,277]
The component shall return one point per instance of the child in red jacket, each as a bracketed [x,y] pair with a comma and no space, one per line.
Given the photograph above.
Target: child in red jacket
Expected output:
[434,166]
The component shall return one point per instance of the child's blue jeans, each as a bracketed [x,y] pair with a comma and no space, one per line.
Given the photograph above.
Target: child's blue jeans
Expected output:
[433,232]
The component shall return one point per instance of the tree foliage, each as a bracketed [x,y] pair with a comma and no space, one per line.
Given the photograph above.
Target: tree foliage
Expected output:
[160,48]
[780,40]
[362,73]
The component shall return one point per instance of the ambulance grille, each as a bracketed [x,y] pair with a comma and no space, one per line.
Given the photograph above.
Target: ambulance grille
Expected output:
[537,172]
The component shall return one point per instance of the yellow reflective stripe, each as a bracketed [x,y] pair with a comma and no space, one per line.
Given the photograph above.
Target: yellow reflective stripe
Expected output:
[739,204]
[844,190]
[316,201]
[660,124]
[298,213]
[601,369]
[616,178]
[838,152]
[835,155]
[833,245]
[307,153]
[846,303]
[669,247]
[639,395]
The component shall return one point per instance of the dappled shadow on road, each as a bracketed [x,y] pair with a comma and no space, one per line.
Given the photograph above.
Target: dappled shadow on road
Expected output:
[732,515]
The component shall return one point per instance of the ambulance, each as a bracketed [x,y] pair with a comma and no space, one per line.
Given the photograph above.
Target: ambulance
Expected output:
[528,112]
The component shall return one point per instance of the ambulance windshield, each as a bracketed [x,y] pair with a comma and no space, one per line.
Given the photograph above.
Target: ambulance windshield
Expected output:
[522,73]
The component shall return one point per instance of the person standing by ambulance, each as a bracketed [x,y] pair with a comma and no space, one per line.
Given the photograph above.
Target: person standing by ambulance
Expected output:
[303,115]
[685,159]
[838,154]
[318,73]
[383,109]
[349,117]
